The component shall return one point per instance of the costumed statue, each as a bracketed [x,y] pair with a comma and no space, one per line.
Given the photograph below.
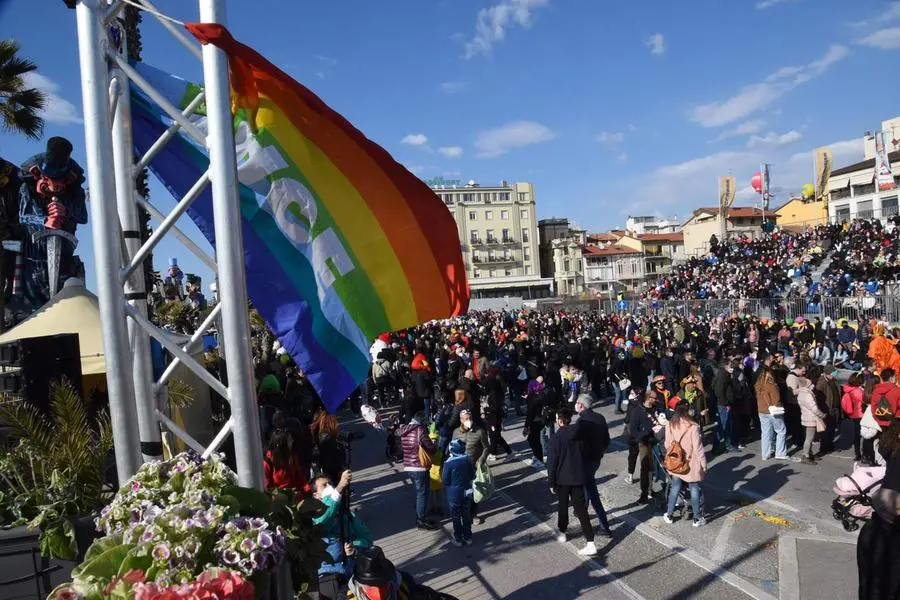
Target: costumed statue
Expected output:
[177,276]
[195,298]
[51,206]
[10,234]
[883,350]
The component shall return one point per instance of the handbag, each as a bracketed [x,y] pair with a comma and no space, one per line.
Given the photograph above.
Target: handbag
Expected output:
[776,411]
[425,458]
[868,426]
[483,486]
[624,383]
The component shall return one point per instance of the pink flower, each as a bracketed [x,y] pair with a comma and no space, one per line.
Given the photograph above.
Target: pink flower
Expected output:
[223,584]
[67,594]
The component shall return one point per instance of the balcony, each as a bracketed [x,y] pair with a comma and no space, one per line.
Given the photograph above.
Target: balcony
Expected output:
[506,241]
[499,260]
[477,242]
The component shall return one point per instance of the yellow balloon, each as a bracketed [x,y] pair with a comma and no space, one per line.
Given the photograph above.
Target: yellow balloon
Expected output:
[808,191]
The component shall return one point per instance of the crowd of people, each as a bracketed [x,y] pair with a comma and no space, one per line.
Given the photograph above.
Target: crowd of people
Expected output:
[743,267]
[862,257]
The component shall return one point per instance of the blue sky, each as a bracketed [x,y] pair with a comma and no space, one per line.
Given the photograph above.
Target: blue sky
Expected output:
[609,108]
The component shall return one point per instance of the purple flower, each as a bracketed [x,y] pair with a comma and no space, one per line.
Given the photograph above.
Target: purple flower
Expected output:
[240,523]
[230,557]
[258,523]
[248,545]
[160,552]
[135,485]
[264,539]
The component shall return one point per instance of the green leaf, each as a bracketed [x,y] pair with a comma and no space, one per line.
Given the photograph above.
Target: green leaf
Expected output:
[106,565]
[100,546]
[57,540]
[132,561]
[251,503]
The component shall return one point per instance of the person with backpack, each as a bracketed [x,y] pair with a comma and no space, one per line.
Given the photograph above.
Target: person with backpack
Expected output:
[477,443]
[685,461]
[595,440]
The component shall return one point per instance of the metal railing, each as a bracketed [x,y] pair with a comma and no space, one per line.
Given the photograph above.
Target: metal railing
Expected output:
[879,307]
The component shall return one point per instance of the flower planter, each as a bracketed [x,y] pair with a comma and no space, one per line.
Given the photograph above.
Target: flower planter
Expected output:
[85,534]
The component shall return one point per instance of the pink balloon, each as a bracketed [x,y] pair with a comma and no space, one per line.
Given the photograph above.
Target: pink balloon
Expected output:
[757,182]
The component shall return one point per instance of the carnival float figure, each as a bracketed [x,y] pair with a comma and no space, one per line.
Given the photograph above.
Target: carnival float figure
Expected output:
[883,350]
[51,206]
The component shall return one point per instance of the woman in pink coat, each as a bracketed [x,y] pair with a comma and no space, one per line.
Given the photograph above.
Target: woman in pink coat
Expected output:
[686,431]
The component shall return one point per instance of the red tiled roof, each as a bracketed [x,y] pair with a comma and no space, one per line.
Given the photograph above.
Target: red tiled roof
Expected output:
[593,250]
[603,237]
[662,237]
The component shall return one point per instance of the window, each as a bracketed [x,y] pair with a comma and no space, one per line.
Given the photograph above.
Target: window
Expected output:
[473,236]
[528,269]
[525,235]
[490,236]
[504,196]
[566,265]
[473,215]
[505,235]
[491,273]
[523,196]
[476,273]
[861,190]
[494,196]
[523,214]
[889,206]
[526,253]
[864,210]
[504,215]
[468,197]
[578,265]
[488,215]
[508,272]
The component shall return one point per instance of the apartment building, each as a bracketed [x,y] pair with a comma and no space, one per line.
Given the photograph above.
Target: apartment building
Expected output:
[497,226]
[853,193]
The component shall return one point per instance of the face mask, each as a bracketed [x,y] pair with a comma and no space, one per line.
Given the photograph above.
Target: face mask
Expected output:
[466,424]
[328,492]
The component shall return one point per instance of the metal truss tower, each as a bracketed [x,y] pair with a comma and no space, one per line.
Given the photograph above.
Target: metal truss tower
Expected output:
[134,396]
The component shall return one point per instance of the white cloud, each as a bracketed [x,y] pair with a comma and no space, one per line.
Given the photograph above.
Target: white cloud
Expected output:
[656,43]
[622,158]
[886,39]
[451,151]
[320,74]
[415,139]
[745,128]
[493,22]
[757,96]
[500,140]
[57,109]
[453,87]
[415,169]
[774,140]
[764,4]
[845,153]
[891,14]
[611,138]
[326,60]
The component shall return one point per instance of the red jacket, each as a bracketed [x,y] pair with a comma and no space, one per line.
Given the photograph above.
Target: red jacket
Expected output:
[291,477]
[419,363]
[851,402]
[891,393]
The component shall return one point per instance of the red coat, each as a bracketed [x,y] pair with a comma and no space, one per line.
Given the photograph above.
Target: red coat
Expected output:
[291,477]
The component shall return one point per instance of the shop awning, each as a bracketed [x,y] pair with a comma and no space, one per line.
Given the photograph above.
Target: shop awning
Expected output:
[838,183]
[862,178]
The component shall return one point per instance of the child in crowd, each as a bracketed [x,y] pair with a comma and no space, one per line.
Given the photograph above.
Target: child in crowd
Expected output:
[458,475]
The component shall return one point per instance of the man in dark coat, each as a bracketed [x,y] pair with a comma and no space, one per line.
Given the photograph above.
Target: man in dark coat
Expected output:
[566,473]
[594,433]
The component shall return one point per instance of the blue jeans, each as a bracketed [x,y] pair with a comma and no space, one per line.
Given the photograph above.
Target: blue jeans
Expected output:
[677,482]
[593,494]
[620,395]
[422,483]
[769,425]
[725,429]
[546,434]
[461,515]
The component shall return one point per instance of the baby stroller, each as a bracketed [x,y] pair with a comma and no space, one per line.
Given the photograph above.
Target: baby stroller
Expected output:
[854,503]
[393,449]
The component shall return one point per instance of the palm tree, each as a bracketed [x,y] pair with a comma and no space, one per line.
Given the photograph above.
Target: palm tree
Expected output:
[19,104]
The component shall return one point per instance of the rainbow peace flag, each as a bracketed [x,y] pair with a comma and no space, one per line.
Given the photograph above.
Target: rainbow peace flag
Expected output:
[341,242]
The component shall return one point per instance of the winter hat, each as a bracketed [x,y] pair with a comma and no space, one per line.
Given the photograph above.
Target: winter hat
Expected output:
[457,447]
[269,385]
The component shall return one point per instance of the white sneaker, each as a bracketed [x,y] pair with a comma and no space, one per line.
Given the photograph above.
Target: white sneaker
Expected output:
[456,543]
[491,458]
[700,522]
[629,478]
[668,519]
[562,538]
[537,464]
[789,458]
[589,550]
